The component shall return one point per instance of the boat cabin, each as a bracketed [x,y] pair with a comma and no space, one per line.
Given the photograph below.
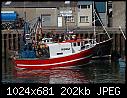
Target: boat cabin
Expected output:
[69,47]
[49,49]
[59,49]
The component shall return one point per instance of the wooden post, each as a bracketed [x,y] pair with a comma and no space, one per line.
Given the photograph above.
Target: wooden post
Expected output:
[113,42]
[7,42]
[78,35]
[83,35]
[12,42]
[19,35]
[3,45]
[5,53]
[16,41]
[123,47]
[99,36]
[120,44]
[3,56]
[88,34]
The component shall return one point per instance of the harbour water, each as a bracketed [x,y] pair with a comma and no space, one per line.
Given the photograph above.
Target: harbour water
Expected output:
[97,71]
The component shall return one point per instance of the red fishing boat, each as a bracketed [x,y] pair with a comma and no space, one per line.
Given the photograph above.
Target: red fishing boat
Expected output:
[66,53]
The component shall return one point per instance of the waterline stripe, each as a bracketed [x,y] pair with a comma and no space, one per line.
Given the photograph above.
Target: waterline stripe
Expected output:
[56,63]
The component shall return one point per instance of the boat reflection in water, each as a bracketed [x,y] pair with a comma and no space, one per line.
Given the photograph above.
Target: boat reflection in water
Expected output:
[97,71]
[53,76]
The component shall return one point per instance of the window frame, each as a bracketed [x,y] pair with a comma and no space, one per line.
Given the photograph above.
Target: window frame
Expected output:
[70,19]
[86,19]
[74,44]
[83,6]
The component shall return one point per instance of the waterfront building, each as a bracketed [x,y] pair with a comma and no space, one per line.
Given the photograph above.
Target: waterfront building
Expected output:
[119,14]
[60,14]
[84,13]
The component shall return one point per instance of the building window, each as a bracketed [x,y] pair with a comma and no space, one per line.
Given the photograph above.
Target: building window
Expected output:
[79,6]
[88,6]
[84,19]
[70,18]
[83,6]
[46,19]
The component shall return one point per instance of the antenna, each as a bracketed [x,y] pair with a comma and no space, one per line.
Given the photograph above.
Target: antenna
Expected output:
[67,16]
[24,10]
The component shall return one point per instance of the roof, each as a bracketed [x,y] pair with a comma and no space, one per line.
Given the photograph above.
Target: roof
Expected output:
[85,2]
[43,4]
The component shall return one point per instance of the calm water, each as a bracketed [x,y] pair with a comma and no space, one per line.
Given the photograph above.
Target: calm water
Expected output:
[97,71]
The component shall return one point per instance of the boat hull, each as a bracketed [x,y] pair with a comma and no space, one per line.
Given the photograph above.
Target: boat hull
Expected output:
[79,58]
[103,48]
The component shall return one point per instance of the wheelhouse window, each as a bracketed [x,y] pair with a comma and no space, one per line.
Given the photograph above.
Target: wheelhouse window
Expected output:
[86,42]
[88,6]
[81,43]
[84,19]
[78,43]
[90,41]
[87,46]
[74,44]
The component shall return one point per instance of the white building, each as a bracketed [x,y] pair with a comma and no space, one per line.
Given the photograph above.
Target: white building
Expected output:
[84,13]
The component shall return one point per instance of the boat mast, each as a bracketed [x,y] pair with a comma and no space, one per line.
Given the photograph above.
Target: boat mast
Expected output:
[94,21]
[27,33]
[67,7]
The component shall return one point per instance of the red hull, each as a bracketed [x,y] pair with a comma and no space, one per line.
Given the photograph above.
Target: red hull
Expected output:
[71,60]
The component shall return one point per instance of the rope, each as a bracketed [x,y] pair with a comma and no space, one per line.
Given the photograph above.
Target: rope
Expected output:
[122,32]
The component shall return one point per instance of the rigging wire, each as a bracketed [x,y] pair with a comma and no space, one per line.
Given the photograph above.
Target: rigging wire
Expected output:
[102,24]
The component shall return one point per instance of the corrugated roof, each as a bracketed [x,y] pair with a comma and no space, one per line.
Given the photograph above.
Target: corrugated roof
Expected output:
[34,4]
[85,2]
[45,4]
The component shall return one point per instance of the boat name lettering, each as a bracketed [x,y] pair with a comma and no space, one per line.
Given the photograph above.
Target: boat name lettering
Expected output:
[65,48]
